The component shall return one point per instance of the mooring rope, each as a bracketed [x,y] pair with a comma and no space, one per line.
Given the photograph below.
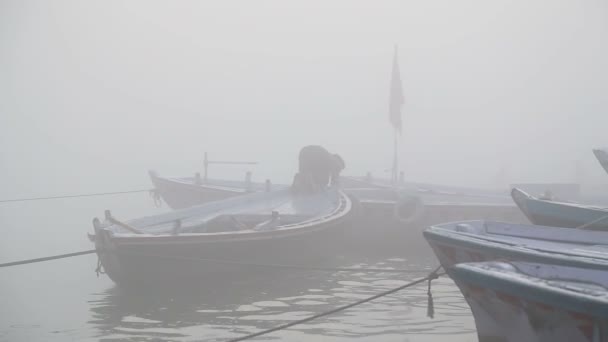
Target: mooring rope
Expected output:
[53,257]
[230,262]
[74,196]
[429,278]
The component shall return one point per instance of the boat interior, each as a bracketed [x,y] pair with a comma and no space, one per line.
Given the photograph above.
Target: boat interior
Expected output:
[255,212]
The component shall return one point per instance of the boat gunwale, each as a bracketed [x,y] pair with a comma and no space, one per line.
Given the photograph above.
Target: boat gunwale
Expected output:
[502,248]
[293,229]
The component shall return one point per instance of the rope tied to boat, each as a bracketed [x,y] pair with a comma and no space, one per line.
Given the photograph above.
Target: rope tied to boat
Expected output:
[73,196]
[53,257]
[430,305]
[433,275]
[99,269]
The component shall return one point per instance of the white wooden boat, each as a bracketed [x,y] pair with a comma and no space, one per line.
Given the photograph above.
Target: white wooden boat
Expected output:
[473,241]
[560,214]
[184,192]
[521,301]
[276,227]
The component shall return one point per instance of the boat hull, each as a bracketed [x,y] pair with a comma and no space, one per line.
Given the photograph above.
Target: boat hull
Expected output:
[509,309]
[139,258]
[558,214]
[181,194]
[168,262]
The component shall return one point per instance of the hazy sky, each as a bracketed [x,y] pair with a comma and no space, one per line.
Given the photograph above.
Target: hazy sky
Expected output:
[95,93]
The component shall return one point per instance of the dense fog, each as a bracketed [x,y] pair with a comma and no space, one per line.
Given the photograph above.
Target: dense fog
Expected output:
[93,94]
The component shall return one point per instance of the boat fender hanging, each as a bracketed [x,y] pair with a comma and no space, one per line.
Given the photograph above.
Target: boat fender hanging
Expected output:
[430,306]
[155,194]
[408,209]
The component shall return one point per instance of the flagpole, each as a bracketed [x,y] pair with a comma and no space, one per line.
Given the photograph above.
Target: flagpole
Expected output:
[395,103]
[395,160]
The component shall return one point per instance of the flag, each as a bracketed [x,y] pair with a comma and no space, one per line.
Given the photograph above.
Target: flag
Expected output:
[396,95]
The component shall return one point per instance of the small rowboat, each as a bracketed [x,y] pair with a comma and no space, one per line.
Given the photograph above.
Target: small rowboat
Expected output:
[520,301]
[244,232]
[560,214]
[184,192]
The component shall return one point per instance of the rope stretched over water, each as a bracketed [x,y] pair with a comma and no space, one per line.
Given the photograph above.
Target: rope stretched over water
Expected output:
[74,196]
[431,276]
[53,257]
[299,267]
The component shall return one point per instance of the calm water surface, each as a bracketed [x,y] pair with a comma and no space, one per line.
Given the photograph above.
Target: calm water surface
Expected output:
[64,300]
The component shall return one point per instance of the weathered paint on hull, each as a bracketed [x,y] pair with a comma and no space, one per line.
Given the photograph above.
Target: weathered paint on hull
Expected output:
[508,310]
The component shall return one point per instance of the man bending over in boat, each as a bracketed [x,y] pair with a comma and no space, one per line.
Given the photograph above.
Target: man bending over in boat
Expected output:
[317,168]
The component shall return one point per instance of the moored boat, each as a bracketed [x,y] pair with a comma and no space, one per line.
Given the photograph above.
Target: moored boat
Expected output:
[548,212]
[184,192]
[380,201]
[228,236]
[474,241]
[521,301]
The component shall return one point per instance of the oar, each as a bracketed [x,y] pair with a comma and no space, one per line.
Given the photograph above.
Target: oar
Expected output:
[589,224]
[122,224]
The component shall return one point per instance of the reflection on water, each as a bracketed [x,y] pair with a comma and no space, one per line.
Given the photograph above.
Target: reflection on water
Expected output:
[212,310]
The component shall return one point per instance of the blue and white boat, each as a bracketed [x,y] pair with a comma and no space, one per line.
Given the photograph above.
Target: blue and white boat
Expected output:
[564,252]
[474,241]
[521,301]
[547,212]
